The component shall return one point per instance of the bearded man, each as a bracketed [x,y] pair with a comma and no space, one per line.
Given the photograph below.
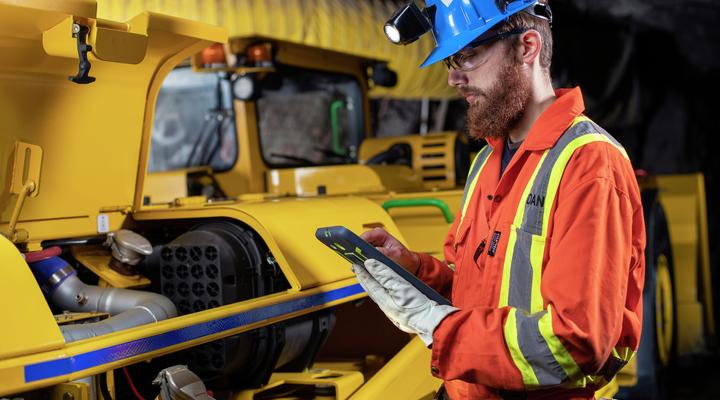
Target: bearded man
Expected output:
[544,262]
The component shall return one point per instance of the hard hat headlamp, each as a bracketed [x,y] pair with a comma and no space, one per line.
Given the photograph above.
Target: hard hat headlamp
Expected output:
[407,25]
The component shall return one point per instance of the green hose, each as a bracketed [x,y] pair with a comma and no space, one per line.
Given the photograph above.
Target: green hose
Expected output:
[421,203]
[335,123]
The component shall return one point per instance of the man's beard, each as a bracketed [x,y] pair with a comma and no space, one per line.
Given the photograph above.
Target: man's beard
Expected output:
[497,110]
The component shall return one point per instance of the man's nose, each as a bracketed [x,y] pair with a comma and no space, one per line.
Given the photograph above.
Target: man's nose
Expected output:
[457,78]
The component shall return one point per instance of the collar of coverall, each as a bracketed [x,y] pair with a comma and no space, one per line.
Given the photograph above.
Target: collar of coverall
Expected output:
[551,124]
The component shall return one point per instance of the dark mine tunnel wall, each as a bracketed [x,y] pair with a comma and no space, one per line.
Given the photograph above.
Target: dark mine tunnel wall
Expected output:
[650,72]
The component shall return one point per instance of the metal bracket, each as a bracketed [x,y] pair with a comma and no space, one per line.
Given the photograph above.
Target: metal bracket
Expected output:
[27,162]
[70,391]
[25,181]
[83,76]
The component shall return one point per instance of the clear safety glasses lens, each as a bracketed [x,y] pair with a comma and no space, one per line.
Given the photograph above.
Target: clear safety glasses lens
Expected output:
[462,62]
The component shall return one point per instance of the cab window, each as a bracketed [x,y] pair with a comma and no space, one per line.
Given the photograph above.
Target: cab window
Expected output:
[194,123]
[308,117]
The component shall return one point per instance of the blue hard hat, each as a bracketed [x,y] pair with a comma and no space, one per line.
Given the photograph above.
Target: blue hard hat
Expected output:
[459,22]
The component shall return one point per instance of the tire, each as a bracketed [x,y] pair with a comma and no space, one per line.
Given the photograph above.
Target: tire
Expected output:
[657,342]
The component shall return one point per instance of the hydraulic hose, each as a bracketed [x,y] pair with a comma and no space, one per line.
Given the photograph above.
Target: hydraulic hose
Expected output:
[335,122]
[43,254]
[128,308]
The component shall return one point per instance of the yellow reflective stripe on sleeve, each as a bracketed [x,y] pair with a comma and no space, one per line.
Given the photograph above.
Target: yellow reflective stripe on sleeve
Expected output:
[561,355]
[623,353]
[511,340]
[618,359]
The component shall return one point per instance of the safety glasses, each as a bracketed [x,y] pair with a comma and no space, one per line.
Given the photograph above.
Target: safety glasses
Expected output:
[469,58]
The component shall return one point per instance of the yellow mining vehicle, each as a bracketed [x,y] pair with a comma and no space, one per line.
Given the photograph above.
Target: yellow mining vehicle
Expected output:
[106,290]
[116,277]
[284,120]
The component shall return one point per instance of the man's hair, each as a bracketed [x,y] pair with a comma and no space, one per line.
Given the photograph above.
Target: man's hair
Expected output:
[523,20]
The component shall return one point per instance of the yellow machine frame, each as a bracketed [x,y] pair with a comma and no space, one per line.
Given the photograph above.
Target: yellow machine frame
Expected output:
[61,191]
[79,168]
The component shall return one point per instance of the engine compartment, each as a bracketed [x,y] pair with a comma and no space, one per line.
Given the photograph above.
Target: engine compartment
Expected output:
[199,266]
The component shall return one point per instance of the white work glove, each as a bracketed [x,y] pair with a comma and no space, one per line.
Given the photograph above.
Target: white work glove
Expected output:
[408,308]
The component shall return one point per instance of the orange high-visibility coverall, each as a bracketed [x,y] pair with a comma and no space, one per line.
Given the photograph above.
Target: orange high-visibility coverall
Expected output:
[592,269]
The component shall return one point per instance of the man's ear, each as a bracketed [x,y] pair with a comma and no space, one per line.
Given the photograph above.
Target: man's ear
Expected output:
[528,46]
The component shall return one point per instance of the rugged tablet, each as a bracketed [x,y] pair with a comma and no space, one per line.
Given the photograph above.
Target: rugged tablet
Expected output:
[352,248]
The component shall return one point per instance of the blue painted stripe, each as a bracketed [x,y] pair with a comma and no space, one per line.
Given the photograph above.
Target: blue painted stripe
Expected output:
[79,362]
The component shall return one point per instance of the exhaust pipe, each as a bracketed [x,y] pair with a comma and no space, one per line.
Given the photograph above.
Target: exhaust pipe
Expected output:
[128,308]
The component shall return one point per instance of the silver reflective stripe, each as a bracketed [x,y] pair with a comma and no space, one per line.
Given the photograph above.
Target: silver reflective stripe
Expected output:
[536,351]
[593,127]
[521,273]
[533,217]
[476,167]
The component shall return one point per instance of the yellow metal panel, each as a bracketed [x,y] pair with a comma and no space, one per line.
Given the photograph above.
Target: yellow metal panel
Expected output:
[288,227]
[71,390]
[134,7]
[165,187]
[405,376]
[97,259]
[248,173]
[433,156]
[44,229]
[343,382]
[118,46]
[30,326]
[84,8]
[683,199]
[90,134]
[341,179]
[111,41]
[349,26]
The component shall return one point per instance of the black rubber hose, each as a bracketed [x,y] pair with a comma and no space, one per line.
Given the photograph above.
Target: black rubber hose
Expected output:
[72,241]
[104,387]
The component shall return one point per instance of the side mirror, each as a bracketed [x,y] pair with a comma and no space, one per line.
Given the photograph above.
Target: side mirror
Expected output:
[383,76]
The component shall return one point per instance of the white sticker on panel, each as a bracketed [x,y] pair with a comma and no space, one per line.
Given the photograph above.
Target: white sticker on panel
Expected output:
[103,223]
